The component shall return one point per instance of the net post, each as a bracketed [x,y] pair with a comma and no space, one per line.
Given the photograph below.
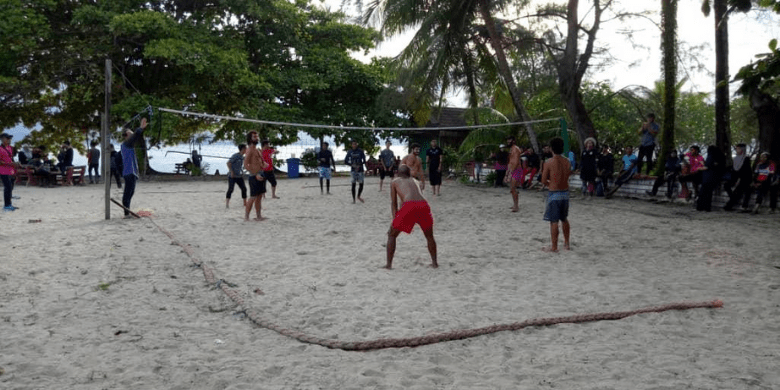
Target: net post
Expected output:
[565,137]
[105,122]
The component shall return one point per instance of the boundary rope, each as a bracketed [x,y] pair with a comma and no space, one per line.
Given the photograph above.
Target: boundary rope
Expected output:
[385,343]
[222,117]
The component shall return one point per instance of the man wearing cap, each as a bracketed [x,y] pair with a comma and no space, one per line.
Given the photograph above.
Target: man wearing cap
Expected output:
[130,164]
[7,170]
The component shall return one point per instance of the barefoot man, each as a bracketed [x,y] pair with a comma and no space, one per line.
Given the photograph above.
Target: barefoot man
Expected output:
[515,171]
[414,163]
[555,175]
[253,162]
[414,210]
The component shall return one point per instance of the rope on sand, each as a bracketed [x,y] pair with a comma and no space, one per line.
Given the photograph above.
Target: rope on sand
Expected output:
[253,315]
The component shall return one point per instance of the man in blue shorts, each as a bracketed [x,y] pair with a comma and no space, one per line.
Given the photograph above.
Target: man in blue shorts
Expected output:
[555,176]
[325,160]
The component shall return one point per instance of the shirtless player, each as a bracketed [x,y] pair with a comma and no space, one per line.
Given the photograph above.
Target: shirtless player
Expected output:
[414,210]
[414,162]
[555,176]
[514,171]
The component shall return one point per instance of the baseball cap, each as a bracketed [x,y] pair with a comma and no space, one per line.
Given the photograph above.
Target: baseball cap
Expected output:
[6,135]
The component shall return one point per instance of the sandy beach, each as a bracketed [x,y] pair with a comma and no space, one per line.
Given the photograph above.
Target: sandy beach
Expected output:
[89,303]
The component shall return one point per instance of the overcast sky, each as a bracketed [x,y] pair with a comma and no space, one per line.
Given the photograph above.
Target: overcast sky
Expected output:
[641,66]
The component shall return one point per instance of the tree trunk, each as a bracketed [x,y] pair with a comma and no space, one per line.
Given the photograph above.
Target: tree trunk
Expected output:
[669,65]
[722,103]
[768,113]
[570,73]
[506,72]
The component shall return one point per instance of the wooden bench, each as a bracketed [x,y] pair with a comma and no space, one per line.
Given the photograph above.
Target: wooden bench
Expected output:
[373,167]
[73,176]
[182,167]
[26,174]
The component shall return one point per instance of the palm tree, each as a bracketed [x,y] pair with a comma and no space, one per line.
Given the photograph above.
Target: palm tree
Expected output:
[722,104]
[669,65]
[442,42]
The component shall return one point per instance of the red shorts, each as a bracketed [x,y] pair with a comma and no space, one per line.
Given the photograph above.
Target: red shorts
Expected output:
[413,212]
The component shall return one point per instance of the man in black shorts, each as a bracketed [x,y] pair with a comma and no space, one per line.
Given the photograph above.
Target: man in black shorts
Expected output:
[386,164]
[253,162]
[434,166]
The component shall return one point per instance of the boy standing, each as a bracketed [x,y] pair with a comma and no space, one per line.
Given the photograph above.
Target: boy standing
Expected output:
[555,176]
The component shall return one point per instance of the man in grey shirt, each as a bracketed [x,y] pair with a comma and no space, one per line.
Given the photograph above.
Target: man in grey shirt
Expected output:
[236,174]
[386,164]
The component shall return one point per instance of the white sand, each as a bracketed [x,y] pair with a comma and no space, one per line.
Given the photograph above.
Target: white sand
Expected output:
[157,324]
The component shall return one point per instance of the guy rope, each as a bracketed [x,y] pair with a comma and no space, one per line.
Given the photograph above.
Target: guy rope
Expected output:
[368,345]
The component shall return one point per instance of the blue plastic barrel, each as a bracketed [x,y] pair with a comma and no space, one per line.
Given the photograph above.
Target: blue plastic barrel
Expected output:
[293,165]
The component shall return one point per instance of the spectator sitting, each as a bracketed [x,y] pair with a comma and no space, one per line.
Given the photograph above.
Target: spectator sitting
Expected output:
[65,157]
[42,167]
[605,170]
[25,155]
[627,173]
[741,179]
[671,171]
[764,175]
[695,164]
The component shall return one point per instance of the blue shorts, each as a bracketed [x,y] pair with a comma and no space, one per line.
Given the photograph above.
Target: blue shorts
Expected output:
[357,177]
[324,173]
[557,206]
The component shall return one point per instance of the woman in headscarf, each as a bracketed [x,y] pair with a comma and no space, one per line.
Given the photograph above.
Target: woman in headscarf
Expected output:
[712,173]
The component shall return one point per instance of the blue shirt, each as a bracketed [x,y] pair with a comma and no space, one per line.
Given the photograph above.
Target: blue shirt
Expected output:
[129,161]
[648,136]
[388,158]
[236,163]
[629,160]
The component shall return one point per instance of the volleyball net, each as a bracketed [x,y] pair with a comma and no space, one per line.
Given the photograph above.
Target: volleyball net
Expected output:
[213,153]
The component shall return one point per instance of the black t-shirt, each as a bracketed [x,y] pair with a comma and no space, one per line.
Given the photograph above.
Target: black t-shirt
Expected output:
[325,158]
[356,159]
[502,157]
[434,157]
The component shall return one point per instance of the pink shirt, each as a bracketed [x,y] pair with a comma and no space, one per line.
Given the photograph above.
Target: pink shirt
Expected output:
[696,162]
[6,156]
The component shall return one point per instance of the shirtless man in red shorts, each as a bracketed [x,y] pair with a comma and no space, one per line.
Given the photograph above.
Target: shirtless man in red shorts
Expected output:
[414,210]
[514,171]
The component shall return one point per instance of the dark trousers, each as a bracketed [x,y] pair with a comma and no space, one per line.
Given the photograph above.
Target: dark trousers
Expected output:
[645,152]
[740,193]
[670,179]
[8,184]
[500,175]
[129,191]
[97,172]
[118,178]
[762,191]
[232,181]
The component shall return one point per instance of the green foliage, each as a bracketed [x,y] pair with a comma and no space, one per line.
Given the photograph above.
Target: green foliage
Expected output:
[275,60]
[309,160]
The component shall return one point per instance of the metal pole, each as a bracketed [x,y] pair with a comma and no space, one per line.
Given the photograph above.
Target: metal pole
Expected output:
[106,142]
